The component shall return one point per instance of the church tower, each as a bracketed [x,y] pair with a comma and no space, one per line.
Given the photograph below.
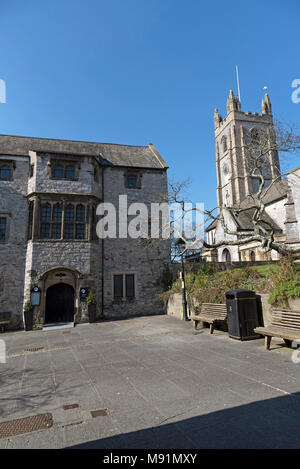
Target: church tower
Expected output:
[232,136]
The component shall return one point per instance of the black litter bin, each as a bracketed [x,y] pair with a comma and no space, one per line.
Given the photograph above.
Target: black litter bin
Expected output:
[242,316]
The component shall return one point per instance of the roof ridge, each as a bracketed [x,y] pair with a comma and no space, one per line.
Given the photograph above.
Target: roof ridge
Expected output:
[74,141]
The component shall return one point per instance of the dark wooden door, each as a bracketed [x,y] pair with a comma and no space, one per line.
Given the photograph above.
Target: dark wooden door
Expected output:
[59,303]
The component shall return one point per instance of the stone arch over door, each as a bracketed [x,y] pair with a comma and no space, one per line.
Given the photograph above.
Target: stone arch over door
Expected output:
[226,256]
[252,256]
[56,276]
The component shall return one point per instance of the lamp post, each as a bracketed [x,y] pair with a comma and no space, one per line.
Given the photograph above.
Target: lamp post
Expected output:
[181,246]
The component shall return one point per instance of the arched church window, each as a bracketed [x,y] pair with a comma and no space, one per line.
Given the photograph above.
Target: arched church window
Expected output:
[61,222]
[224,144]
[57,212]
[255,136]
[69,213]
[80,217]
[255,185]
[226,257]
[80,213]
[46,212]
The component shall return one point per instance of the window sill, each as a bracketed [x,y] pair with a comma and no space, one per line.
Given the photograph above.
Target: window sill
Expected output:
[123,300]
[64,179]
[38,240]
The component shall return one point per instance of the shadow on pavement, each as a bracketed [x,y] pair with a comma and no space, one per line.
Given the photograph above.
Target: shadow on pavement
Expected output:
[272,423]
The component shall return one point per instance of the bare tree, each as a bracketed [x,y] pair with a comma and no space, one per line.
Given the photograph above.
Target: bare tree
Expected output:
[265,178]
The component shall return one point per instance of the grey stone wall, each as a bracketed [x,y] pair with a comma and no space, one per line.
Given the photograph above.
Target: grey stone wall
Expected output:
[81,257]
[125,256]
[13,205]
[25,263]
[42,182]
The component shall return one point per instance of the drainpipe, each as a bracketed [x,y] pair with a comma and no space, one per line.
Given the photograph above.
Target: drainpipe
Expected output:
[102,252]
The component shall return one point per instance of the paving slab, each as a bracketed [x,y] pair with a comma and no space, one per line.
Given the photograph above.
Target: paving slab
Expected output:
[154,382]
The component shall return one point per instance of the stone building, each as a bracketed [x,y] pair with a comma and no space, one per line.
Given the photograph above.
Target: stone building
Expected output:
[49,250]
[236,188]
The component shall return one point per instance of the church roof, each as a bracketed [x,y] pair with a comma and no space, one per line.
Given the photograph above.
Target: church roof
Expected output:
[243,220]
[110,153]
[276,191]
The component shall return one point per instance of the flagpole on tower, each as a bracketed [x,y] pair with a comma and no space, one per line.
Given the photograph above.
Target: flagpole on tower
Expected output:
[238,81]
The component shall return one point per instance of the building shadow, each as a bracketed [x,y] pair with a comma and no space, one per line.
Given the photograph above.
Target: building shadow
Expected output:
[272,423]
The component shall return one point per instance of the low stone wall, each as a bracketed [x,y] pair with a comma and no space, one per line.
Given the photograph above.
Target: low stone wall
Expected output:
[174,307]
[294,304]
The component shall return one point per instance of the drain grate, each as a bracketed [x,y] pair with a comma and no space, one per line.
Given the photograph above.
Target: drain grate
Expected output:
[99,413]
[25,425]
[33,349]
[70,406]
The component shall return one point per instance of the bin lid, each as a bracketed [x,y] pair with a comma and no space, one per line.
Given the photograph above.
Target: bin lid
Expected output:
[240,293]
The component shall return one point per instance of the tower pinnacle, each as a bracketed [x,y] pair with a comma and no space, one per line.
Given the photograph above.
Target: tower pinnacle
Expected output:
[233,104]
[266,106]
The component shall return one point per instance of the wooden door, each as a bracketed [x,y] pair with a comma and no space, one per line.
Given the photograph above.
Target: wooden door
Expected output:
[59,304]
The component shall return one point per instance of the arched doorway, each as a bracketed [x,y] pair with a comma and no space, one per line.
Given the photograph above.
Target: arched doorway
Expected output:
[226,257]
[252,256]
[59,303]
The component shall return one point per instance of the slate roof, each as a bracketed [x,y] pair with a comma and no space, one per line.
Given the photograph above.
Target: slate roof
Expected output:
[113,154]
[244,219]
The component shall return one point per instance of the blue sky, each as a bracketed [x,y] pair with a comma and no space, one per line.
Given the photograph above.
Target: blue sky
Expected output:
[141,71]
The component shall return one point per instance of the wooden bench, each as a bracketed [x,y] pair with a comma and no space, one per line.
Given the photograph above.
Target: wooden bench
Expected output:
[210,313]
[284,324]
[5,319]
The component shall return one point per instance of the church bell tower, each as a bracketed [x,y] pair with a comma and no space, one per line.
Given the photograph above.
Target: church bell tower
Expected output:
[232,136]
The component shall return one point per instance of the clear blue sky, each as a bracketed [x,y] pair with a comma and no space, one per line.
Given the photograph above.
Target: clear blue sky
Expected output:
[140,71]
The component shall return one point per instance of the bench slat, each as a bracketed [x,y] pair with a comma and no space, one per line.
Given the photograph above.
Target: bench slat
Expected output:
[284,333]
[284,324]
[210,313]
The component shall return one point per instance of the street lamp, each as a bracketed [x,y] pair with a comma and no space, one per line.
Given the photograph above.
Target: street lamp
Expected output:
[180,244]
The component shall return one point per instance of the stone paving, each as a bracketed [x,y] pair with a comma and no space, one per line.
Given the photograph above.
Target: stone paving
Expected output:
[161,384]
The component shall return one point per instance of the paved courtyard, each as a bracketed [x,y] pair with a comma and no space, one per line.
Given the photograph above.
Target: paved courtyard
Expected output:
[156,384]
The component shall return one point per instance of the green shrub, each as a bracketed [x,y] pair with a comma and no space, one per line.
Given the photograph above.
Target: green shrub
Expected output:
[166,278]
[28,307]
[207,286]
[286,282]
[285,290]
[91,300]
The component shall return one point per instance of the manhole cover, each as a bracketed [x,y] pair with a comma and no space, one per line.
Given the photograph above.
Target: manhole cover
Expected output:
[25,425]
[33,349]
[71,406]
[99,413]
